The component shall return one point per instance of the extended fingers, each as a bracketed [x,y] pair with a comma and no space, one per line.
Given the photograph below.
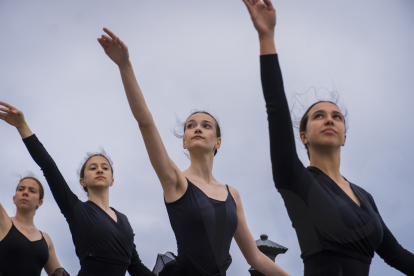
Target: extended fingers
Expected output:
[111,34]
[6,105]
[103,44]
[268,4]
[3,115]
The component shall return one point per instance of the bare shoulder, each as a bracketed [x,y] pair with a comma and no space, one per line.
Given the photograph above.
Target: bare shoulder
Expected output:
[235,194]
[48,239]
[5,222]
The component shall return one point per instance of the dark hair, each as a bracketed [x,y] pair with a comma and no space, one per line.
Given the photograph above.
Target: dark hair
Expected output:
[183,126]
[304,121]
[41,189]
[89,155]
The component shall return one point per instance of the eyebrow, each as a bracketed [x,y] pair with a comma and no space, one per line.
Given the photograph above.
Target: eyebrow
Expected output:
[96,164]
[204,121]
[323,111]
[21,186]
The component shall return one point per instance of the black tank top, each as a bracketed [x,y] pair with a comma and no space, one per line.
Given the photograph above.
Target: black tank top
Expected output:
[21,257]
[204,228]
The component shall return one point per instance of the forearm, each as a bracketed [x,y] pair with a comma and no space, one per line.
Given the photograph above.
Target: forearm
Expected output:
[266,266]
[134,95]
[24,130]
[267,44]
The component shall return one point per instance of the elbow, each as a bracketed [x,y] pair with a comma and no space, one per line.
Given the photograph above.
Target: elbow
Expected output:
[254,261]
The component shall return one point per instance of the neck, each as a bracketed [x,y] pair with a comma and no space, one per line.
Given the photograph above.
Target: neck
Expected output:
[328,161]
[100,197]
[25,218]
[201,167]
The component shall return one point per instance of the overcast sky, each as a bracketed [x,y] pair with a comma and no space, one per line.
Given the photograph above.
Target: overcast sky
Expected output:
[205,55]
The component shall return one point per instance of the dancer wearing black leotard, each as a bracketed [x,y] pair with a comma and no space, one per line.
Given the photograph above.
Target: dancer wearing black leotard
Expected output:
[204,214]
[24,250]
[337,222]
[102,236]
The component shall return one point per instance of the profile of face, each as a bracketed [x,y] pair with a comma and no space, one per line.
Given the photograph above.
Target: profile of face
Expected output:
[27,195]
[200,134]
[325,127]
[97,174]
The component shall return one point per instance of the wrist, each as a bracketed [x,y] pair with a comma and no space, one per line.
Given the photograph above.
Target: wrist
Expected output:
[125,64]
[266,37]
[24,130]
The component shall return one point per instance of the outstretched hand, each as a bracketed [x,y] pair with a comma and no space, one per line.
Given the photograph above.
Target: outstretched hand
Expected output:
[11,115]
[114,47]
[263,15]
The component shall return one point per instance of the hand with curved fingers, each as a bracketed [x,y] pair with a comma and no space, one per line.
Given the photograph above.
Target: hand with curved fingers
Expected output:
[263,15]
[116,50]
[15,117]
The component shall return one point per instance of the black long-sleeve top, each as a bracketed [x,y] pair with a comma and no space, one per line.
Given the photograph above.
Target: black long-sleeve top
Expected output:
[323,215]
[101,243]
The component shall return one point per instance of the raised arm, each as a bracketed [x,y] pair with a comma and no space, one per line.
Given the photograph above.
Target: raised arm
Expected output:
[170,176]
[60,190]
[248,246]
[286,165]
[5,223]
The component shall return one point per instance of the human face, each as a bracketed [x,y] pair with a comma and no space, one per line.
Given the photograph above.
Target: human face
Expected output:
[27,195]
[97,173]
[325,127]
[200,134]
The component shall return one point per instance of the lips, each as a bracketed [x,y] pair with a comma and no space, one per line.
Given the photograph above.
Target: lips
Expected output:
[328,130]
[24,200]
[197,137]
[100,177]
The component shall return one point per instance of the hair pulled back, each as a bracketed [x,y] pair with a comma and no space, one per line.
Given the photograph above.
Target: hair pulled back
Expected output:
[301,101]
[89,155]
[183,126]
[30,176]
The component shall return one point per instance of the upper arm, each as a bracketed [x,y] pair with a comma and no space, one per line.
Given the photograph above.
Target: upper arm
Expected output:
[170,176]
[64,197]
[285,162]
[5,223]
[53,263]
[243,237]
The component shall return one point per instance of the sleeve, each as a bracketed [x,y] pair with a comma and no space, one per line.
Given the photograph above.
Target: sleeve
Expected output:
[64,197]
[286,165]
[392,252]
[137,268]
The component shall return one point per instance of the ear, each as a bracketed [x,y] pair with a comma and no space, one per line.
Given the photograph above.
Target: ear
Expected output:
[344,140]
[40,203]
[218,143]
[82,182]
[304,138]
[112,182]
[184,146]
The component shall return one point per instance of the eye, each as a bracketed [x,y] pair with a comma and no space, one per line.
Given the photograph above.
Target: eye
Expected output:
[105,169]
[189,125]
[338,117]
[207,126]
[318,116]
[92,168]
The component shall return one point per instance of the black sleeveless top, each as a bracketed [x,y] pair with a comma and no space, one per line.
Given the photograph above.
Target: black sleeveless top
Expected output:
[21,257]
[204,228]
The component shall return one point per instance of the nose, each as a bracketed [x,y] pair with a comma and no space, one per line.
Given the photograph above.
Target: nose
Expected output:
[99,170]
[197,129]
[329,120]
[25,192]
